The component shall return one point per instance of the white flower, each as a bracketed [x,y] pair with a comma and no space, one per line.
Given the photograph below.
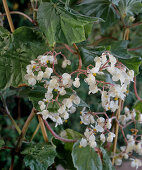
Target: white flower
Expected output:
[62,91]
[97,62]
[44,113]
[112,60]
[75,99]
[110,137]
[62,109]
[48,72]
[66,78]
[90,79]
[99,128]
[92,141]
[108,124]
[42,105]
[72,110]
[29,69]
[87,119]
[83,142]
[48,96]
[118,161]
[101,121]
[104,59]
[31,79]
[102,138]
[65,63]
[136,163]
[140,118]
[131,74]
[133,114]
[43,59]
[67,102]
[93,89]
[40,75]
[76,83]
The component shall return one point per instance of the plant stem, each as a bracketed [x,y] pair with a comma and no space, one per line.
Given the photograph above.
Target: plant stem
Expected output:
[135,90]
[80,60]
[8,15]
[126,34]
[56,136]
[19,13]
[9,115]
[24,130]
[133,49]
[116,129]
[35,132]
[42,126]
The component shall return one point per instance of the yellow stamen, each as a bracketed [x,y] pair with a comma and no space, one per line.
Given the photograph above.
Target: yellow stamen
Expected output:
[47,61]
[127,91]
[94,74]
[108,108]
[81,122]
[80,112]
[80,146]
[116,98]
[94,130]
[34,67]
[55,90]
[46,101]
[66,121]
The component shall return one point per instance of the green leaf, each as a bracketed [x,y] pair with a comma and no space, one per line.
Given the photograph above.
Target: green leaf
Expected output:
[71,134]
[130,7]
[132,63]
[63,25]
[119,49]
[39,156]
[24,45]
[1,142]
[102,9]
[85,158]
[138,106]
[107,164]
[35,94]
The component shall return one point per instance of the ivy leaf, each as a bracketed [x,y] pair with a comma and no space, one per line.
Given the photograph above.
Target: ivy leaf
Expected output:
[39,156]
[107,164]
[63,25]
[24,45]
[132,63]
[85,158]
[35,94]
[130,7]
[1,142]
[71,134]
[119,49]
[102,9]
[138,106]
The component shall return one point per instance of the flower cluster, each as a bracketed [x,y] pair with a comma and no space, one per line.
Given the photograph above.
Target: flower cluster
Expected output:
[61,100]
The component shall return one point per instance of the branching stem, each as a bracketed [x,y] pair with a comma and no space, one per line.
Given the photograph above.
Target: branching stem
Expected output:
[56,136]
[135,90]
[24,130]
[43,128]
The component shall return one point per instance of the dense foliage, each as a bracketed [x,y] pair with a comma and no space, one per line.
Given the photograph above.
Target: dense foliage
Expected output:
[70,75]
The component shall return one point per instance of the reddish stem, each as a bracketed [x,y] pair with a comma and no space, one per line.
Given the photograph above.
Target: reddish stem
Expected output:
[133,49]
[135,90]
[20,13]
[80,60]
[56,136]
[69,49]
